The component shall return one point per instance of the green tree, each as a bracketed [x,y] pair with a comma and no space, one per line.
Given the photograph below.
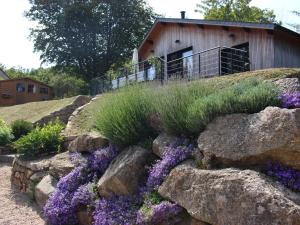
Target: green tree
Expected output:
[235,10]
[296,26]
[88,35]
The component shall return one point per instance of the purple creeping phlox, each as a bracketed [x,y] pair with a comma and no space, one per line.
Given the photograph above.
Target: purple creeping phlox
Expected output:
[117,210]
[73,189]
[165,212]
[173,155]
[287,176]
[290,100]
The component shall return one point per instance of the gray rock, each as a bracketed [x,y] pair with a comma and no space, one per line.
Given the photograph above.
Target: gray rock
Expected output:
[61,165]
[288,85]
[88,143]
[44,189]
[252,140]
[125,172]
[231,197]
[161,142]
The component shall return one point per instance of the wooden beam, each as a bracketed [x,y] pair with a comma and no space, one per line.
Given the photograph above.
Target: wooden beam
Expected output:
[150,42]
[180,24]
[200,26]
[270,32]
[225,28]
[248,30]
[163,23]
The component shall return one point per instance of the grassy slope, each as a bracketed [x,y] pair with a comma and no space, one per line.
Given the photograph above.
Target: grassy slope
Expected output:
[86,119]
[32,111]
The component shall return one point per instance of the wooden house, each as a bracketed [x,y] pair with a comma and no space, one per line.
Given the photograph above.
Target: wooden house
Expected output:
[218,47]
[23,90]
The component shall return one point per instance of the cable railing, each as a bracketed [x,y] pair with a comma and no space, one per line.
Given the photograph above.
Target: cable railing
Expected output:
[218,61]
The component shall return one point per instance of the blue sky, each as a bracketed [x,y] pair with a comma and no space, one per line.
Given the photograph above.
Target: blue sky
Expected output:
[17,50]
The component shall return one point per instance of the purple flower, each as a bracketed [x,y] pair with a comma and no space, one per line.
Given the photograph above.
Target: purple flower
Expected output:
[290,100]
[172,156]
[287,176]
[84,196]
[116,210]
[161,213]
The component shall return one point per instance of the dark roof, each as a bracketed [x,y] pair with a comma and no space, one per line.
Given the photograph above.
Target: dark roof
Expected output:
[25,78]
[249,25]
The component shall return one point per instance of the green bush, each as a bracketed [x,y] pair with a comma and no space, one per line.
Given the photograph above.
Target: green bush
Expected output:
[41,140]
[172,104]
[20,128]
[5,134]
[122,116]
[249,96]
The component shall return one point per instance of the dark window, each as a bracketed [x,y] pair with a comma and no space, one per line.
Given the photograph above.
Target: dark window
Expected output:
[31,88]
[43,90]
[235,59]
[20,87]
[180,63]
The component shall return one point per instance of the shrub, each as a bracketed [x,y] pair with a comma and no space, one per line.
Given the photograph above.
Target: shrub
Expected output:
[20,128]
[172,103]
[122,116]
[249,96]
[41,140]
[5,134]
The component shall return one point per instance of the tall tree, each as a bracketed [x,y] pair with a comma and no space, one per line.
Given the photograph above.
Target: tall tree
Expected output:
[296,26]
[88,35]
[235,10]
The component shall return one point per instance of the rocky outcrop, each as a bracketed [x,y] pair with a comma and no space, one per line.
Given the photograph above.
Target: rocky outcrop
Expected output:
[60,165]
[251,140]
[64,113]
[161,142]
[44,189]
[126,172]
[231,197]
[88,143]
[288,85]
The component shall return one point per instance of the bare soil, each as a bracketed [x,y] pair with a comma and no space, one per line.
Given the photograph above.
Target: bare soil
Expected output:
[15,207]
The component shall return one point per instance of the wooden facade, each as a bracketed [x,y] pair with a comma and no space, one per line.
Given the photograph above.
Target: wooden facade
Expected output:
[23,90]
[270,45]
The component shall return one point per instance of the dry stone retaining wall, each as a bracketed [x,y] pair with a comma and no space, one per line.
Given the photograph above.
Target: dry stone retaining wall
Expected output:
[64,113]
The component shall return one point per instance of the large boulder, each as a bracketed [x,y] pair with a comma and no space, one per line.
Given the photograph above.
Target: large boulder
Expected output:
[231,197]
[44,189]
[88,143]
[252,140]
[126,172]
[61,165]
[288,85]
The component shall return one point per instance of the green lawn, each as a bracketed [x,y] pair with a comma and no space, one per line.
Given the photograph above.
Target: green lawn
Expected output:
[86,119]
[32,111]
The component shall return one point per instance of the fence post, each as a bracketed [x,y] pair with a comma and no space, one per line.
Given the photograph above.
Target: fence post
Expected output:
[220,62]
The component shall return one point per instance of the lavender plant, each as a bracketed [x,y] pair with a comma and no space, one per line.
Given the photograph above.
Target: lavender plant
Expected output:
[287,176]
[290,100]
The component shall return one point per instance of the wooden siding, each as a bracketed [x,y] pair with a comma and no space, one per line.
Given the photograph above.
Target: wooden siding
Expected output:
[287,50]
[8,87]
[261,44]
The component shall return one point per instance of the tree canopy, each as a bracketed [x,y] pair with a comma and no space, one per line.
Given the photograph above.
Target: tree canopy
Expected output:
[88,35]
[235,10]
[296,26]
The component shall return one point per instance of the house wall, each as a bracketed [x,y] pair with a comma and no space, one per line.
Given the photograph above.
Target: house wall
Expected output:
[287,50]
[261,43]
[9,87]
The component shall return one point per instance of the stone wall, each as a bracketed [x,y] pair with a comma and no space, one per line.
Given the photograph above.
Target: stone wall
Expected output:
[64,113]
